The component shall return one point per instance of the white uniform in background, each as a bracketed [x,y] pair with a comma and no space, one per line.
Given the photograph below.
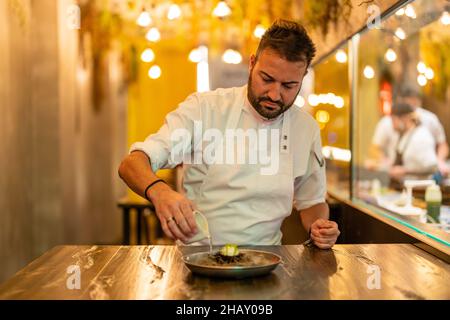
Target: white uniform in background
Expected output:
[242,205]
[384,132]
[418,150]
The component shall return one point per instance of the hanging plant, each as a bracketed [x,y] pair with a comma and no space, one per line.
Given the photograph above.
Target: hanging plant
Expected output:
[103,26]
[322,15]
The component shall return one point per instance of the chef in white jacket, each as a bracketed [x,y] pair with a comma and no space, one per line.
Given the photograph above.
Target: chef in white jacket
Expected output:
[248,154]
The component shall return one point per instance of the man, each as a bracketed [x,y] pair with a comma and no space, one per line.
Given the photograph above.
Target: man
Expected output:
[384,137]
[245,203]
[414,152]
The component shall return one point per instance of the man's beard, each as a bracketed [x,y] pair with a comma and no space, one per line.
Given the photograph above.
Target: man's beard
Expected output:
[264,112]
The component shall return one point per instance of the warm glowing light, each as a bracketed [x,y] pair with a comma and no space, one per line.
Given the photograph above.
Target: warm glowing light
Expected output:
[410,12]
[369,73]
[390,55]
[445,18]
[313,100]
[334,153]
[400,34]
[153,35]
[232,57]
[300,101]
[422,80]
[421,67]
[144,19]
[148,55]
[341,56]
[322,116]
[174,12]
[329,98]
[154,72]
[400,12]
[339,102]
[222,10]
[259,31]
[429,73]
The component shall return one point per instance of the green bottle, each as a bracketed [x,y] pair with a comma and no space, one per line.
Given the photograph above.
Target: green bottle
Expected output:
[433,198]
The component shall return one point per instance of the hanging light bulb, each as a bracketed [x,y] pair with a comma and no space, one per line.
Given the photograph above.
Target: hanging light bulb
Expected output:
[144,19]
[421,67]
[174,12]
[148,55]
[299,101]
[195,56]
[153,35]
[222,10]
[421,80]
[400,12]
[259,31]
[390,55]
[445,18]
[154,72]
[410,12]
[322,116]
[199,54]
[232,57]
[369,73]
[341,56]
[429,73]
[400,34]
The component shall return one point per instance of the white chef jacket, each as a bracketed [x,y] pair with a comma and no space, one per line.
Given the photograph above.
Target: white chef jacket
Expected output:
[242,205]
[384,135]
[418,149]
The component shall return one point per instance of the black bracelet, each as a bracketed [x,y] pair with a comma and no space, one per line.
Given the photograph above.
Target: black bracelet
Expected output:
[151,185]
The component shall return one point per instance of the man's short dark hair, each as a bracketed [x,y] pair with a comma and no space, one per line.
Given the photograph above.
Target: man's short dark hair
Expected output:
[290,40]
[401,109]
[409,92]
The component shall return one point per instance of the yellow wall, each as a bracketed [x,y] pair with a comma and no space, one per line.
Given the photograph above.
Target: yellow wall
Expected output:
[150,100]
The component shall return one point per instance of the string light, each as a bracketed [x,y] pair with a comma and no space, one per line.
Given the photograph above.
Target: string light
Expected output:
[445,18]
[174,12]
[153,35]
[232,57]
[400,12]
[369,73]
[329,98]
[154,72]
[300,101]
[421,80]
[421,67]
[429,73]
[322,116]
[390,55]
[410,12]
[222,10]
[144,19]
[400,34]
[259,31]
[341,56]
[148,55]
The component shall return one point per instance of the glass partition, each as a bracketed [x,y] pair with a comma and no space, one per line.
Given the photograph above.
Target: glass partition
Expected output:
[401,117]
[329,104]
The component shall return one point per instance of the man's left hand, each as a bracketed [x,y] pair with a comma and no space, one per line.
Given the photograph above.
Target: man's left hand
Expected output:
[324,233]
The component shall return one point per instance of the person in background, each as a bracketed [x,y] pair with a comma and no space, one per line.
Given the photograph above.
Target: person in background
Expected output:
[384,137]
[414,151]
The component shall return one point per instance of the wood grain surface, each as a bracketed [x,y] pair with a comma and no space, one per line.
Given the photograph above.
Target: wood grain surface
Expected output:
[158,272]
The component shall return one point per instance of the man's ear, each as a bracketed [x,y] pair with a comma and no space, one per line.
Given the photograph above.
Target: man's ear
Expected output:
[252,62]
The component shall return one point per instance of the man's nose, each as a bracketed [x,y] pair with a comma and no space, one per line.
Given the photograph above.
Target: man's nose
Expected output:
[274,92]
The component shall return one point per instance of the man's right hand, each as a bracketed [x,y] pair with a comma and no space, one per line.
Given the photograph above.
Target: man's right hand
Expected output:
[174,211]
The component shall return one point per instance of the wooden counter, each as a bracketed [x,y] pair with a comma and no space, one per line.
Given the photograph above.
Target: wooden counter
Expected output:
[157,272]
